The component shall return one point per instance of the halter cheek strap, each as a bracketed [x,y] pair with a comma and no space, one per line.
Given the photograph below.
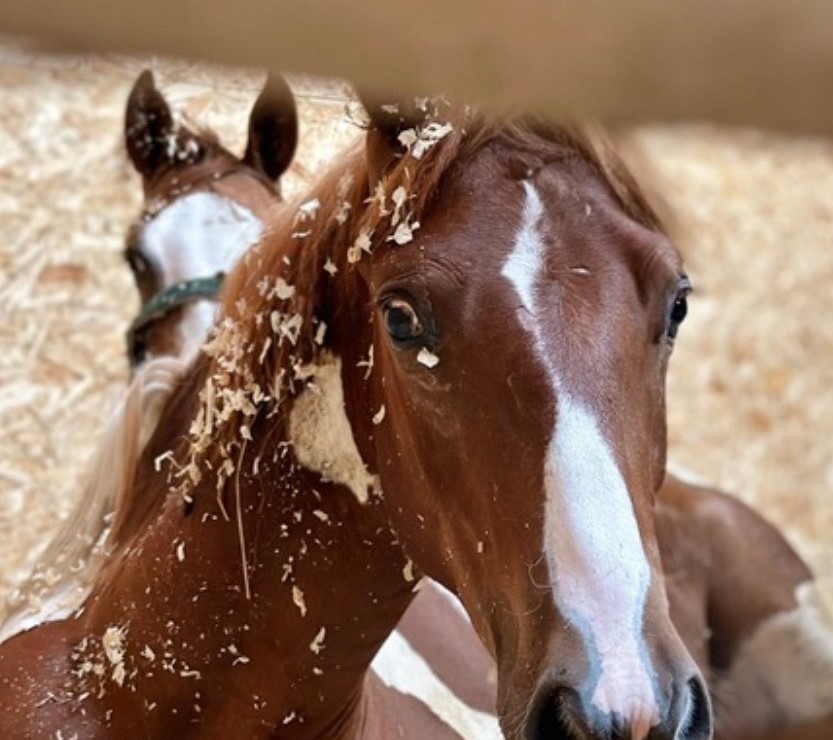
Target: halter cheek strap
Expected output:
[167,300]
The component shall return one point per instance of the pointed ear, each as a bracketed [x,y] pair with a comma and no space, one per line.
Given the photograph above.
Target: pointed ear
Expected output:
[388,120]
[273,129]
[148,126]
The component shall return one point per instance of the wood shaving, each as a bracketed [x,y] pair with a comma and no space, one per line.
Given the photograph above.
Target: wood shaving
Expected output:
[317,645]
[428,358]
[283,291]
[368,363]
[307,211]
[404,233]
[320,332]
[298,600]
[360,246]
[419,141]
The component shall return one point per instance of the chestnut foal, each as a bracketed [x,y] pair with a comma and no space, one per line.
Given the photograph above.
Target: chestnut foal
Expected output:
[157,256]
[296,451]
[699,533]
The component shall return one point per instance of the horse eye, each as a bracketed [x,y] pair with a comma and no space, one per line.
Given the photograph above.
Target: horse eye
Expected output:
[137,262]
[679,310]
[401,320]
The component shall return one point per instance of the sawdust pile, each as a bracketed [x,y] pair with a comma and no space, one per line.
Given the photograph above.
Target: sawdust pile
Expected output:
[751,385]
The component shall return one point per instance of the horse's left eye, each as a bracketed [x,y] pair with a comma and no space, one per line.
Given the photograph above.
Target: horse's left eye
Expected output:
[679,309]
[401,320]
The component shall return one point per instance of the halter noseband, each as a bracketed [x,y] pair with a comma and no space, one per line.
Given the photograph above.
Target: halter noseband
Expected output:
[167,300]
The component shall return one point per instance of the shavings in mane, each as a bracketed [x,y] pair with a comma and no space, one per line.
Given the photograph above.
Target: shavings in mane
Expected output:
[280,298]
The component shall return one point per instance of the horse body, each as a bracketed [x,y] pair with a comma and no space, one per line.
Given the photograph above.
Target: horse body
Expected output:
[175,673]
[750,612]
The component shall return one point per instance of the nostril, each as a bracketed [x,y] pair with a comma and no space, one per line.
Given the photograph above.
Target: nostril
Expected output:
[695,722]
[554,716]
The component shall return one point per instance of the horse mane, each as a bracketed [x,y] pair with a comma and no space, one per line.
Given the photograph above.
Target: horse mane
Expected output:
[278,301]
[65,570]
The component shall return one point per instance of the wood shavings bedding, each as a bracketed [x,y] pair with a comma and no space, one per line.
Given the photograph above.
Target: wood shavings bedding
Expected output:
[750,397]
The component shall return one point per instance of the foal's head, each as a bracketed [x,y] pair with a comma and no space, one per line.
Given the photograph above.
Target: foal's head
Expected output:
[203,207]
[523,303]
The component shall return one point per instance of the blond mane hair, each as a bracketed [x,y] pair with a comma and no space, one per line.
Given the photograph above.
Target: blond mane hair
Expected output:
[64,572]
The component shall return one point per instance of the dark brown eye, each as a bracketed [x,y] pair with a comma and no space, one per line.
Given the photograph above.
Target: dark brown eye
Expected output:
[137,261]
[401,320]
[679,309]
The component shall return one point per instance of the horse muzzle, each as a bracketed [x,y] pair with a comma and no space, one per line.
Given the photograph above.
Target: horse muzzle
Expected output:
[561,712]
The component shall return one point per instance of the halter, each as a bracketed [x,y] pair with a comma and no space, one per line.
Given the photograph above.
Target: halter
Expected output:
[167,300]
[185,291]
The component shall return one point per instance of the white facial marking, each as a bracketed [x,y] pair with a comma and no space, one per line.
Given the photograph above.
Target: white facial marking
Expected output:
[198,236]
[321,435]
[601,576]
[402,668]
[594,551]
[197,318]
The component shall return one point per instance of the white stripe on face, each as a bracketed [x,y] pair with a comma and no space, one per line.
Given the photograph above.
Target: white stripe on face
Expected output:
[600,575]
[199,235]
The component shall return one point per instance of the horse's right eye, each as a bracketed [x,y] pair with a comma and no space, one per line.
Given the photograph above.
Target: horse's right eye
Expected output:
[401,320]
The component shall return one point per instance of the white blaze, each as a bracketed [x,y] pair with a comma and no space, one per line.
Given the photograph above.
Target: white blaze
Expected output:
[600,575]
[198,236]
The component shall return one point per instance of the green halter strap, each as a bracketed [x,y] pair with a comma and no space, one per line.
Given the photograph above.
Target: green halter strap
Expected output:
[165,301]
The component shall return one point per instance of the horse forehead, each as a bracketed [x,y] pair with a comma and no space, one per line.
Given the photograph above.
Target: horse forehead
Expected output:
[199,231]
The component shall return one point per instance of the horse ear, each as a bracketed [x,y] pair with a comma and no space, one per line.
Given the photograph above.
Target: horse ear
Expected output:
[273,129]
[148,126]
[387,123]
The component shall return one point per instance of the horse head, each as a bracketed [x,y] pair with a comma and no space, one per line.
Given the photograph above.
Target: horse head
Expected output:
[203,207]
[520,301]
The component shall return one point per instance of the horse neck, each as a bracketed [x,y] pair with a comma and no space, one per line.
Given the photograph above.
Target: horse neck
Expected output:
[325,585]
